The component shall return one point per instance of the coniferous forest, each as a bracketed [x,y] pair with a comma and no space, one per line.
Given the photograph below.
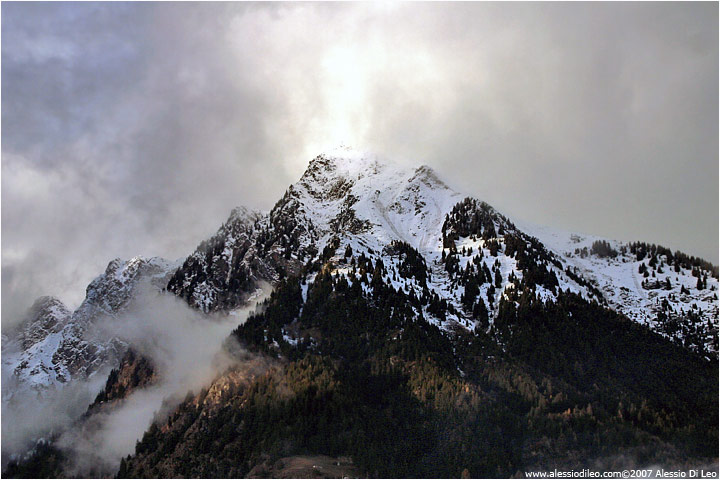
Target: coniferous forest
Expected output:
[549,386]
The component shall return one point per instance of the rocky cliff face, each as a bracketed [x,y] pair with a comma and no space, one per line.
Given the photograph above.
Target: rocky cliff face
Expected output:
[47,316]
[223,270]
[52,346]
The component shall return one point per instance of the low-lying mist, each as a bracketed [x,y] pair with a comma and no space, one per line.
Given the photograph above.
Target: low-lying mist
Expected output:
[187,349]
[29,416]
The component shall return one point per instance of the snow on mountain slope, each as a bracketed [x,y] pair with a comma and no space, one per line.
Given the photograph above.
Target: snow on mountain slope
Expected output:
[391,203]
[222,270]
[662,293]
[47,316]
[367,204]
[341,193]
[52,347]
[353,201]
[457,255]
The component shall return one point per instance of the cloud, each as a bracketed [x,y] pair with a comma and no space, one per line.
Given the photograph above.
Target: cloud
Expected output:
[188,349]
[28,417]
[135,128]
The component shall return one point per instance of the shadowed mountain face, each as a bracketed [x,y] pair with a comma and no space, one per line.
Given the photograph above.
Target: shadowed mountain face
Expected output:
[413,332]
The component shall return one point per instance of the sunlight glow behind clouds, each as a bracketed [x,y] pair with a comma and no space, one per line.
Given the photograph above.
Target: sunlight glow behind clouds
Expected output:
[148,122]
[345,74]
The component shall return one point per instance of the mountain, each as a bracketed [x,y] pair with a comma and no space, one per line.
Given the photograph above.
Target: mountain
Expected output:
[370,206]
[52,347]
[416,332]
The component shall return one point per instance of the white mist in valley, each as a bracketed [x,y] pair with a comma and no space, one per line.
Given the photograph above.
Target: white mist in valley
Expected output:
[29,416]
[187,349]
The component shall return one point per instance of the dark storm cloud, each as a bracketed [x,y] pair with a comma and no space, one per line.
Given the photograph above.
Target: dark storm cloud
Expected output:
[134,128]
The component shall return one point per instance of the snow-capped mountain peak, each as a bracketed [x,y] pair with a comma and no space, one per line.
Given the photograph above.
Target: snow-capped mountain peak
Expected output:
[345,162]
[48,315]
[363,191]
[357,201]
[53,346]
[244,216]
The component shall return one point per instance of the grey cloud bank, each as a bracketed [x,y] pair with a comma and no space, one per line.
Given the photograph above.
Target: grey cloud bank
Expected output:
[134,128]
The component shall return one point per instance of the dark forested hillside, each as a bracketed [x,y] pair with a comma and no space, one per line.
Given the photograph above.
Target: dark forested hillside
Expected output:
[551,385]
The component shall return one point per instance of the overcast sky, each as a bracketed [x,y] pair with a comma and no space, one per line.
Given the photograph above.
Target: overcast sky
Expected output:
[135,128]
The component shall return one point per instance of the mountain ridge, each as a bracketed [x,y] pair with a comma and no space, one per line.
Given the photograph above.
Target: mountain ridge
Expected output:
[350,193]
[68,346]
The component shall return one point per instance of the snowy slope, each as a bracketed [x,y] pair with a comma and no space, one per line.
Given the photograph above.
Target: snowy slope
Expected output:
[376,203]
[666,292]
[341,193]
[391,203]
[53,346]
[356,200]
[399,204]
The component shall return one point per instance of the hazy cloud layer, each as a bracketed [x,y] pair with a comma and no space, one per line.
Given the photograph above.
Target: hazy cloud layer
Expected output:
[134,128]
[187,349]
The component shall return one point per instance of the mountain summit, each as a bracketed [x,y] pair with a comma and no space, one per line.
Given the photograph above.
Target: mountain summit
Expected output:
[359,201]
